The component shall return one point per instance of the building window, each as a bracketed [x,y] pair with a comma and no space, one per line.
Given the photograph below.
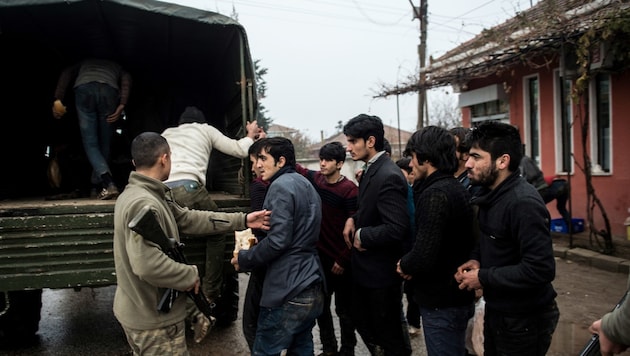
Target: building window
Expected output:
[564,124]
[490,110]
[601,137]
[486,103]
[532,119]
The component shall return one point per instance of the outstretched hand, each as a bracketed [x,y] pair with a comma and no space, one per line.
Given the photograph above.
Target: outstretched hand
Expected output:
[259,219]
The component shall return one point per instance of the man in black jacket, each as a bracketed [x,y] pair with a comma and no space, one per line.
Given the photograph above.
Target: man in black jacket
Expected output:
[444,240]
[513,262]
[375,234]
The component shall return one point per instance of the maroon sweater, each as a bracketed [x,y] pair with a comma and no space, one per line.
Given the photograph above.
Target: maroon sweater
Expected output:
[339,202]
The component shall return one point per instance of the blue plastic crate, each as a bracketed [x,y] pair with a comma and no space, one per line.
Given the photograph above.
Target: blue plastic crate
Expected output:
[558,225]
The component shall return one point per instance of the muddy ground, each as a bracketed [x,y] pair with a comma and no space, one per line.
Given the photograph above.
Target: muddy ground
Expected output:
[82,323]
[584,295]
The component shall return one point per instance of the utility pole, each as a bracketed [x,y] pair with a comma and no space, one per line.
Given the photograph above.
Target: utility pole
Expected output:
[420,13]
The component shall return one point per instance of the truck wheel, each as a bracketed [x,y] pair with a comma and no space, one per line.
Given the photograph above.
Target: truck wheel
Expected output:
[226,309]
[20,322]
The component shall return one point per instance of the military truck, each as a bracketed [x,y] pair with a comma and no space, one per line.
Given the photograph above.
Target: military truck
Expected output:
[53,234]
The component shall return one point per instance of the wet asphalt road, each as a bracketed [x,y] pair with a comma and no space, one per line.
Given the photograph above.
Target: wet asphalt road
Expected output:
[82,323]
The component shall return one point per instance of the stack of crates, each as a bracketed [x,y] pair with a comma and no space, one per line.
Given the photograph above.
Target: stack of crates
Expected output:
[558,225]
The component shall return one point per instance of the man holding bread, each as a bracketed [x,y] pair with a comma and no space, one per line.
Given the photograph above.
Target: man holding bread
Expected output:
[293,289]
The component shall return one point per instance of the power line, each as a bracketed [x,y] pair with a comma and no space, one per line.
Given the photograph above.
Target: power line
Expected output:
[330,11]
[374,21]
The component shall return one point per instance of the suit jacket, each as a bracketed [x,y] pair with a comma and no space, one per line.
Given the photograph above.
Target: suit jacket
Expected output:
[383,218]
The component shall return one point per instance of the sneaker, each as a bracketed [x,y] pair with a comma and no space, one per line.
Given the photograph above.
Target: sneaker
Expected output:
[201,327]
[111,192]
[413,331]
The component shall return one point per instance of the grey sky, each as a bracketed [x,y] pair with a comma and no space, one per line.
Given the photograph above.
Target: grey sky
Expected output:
[326,58]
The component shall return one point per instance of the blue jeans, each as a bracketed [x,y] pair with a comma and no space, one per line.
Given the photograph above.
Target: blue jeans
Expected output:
[445,329]
[289,327]
[94,102]
[519,334]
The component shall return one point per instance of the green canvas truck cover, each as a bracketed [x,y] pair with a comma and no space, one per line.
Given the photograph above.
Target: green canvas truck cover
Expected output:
[177,56]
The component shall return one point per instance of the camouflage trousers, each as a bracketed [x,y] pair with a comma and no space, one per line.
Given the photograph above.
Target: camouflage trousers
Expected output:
[169,340]
[195,196]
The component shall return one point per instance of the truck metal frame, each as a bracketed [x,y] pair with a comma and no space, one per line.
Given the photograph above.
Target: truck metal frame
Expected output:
[53,235]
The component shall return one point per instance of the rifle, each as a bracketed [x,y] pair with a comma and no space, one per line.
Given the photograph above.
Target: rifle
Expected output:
[592,346]
[147,225]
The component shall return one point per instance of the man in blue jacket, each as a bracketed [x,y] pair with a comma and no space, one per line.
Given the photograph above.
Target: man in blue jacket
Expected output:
[292,295]
[513,262]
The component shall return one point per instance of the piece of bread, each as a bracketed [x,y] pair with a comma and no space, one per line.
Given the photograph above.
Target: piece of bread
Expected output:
[243,240]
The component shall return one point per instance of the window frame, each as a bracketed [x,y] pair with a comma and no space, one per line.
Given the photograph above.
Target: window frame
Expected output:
[594,127]
[532,136]
[558,123]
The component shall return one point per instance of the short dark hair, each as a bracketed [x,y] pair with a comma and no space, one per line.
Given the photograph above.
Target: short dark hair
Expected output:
[436,145]
[498,139]
[192,114]
[387,147]
[462,143]
[333,151]
[147,147]
[278,147]
[403,164]
[254,149]
[363,126]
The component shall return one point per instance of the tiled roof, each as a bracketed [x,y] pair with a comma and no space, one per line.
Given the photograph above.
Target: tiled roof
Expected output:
[391,135]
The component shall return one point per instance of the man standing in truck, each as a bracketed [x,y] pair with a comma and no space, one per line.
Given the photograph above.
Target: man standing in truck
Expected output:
[101,90]
[142,268]
[192,142]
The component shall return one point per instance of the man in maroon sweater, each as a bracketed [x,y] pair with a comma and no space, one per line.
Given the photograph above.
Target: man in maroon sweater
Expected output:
[339,202]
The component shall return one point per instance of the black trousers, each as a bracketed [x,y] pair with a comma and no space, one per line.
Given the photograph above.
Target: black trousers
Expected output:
[376,313]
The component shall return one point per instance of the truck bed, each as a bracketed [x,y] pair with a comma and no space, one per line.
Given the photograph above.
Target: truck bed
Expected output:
[68,243]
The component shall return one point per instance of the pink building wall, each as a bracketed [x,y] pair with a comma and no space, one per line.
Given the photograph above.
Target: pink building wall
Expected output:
[612,189]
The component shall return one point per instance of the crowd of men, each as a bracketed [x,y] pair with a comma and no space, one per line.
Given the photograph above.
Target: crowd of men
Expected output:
[459,223]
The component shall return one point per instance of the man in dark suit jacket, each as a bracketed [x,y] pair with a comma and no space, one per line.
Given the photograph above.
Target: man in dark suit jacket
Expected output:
[376,234]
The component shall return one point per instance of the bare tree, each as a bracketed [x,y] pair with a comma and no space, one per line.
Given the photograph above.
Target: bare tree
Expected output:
[443,109]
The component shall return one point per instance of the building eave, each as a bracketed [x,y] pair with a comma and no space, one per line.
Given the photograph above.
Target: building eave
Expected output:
[537,32]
